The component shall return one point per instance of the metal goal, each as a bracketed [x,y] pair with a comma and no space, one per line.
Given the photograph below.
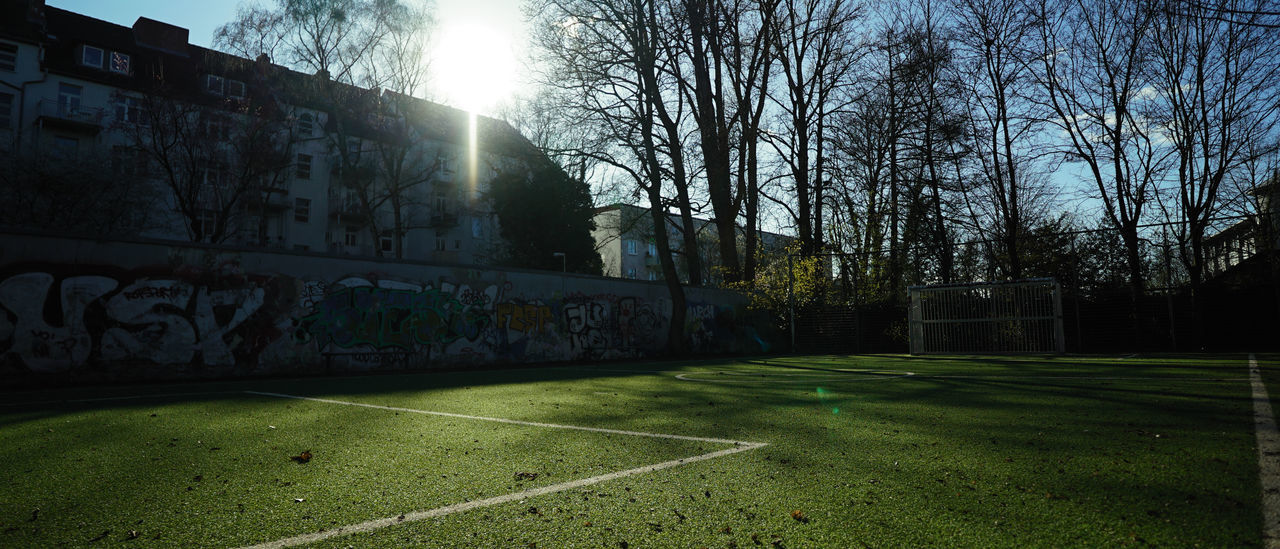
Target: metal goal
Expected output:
[1022,316]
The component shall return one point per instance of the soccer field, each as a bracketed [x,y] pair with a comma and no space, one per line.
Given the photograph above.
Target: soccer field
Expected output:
[798,451]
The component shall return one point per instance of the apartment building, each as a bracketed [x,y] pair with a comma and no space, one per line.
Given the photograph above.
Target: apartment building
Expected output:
[624,238]
[247,152]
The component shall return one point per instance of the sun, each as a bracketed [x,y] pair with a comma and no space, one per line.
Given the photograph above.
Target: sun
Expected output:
[473,66]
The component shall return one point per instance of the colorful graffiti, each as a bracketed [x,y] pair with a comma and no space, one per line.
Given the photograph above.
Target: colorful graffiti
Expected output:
[189,320]
[382,318]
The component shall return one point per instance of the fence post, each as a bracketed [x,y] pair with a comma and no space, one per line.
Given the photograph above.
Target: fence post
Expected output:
[1058,332]
[791,300]
[917,324]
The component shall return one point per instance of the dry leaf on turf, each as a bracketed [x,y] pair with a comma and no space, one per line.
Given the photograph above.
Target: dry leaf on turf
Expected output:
[304,457]
[799,515]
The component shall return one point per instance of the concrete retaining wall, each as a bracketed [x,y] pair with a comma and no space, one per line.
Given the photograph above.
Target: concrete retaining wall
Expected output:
[81,310]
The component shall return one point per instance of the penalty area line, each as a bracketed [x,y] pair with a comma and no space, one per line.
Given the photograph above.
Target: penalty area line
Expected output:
[376,524]
[496,500]
[512,421]
[1268,448]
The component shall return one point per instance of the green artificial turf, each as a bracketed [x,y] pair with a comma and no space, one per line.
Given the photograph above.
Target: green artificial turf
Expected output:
[968,451]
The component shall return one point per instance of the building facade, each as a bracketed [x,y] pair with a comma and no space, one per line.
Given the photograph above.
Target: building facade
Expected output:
[624,239]
[217,148]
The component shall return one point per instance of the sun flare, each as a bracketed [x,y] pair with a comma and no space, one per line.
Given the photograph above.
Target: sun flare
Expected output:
[474,66]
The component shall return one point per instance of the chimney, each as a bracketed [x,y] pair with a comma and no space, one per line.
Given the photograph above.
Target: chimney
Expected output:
[156,35]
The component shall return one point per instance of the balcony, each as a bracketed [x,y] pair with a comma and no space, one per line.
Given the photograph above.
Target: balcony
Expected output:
[342,206]
[69,116]
[271,199]
[441,220]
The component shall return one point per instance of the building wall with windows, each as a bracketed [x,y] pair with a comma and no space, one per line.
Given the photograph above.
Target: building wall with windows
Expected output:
[624,238]
[77,89]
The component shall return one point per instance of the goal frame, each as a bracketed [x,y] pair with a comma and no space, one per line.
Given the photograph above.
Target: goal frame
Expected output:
[1014,317]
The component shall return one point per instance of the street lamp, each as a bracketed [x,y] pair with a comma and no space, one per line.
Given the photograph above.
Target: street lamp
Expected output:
[562,260]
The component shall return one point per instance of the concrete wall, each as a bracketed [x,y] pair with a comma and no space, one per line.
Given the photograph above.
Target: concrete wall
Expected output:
[83,310]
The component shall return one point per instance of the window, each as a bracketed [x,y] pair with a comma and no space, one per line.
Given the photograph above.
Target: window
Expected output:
[351,236]
[302,210]
[631,273]
[129,110]
[6,111]
[65,147]
[217,126]
[91,56]
[653,249]
[213,84]
[385,242]
[120,62]
[235,88]
[303,170]
[206,221]
[128,161]
[8,57]
[631,248]
[439,244]
[305,124]
[68,99]
[653,275]
[216,175]
[477,229]
[457,244]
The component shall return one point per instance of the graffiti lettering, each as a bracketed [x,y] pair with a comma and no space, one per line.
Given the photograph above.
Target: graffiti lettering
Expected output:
[528,319]
[25,295]
[223,318]
[391,318]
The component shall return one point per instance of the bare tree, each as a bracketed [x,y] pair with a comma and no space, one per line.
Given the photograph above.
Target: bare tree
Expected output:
[1218,100]
[1092,60]
[215,158]
[605,56]
[812,38]
[749,61]
[353,47]
[991,39]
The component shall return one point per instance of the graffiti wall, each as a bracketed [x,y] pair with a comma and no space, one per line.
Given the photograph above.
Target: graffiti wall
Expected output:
[150,310]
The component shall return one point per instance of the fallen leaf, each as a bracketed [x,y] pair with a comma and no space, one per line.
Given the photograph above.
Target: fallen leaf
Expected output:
[304,457]
[526,476]
[799,516]
[133,534]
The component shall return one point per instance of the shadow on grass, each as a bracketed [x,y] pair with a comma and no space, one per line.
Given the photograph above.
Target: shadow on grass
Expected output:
[1104,454]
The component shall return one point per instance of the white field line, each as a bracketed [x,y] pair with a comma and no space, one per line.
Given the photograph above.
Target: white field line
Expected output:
[739,446]
[515,421]
[883,375]
[459,507]
[1268,456]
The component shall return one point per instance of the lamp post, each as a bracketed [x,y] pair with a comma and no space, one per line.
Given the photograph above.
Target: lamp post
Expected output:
[562,260]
